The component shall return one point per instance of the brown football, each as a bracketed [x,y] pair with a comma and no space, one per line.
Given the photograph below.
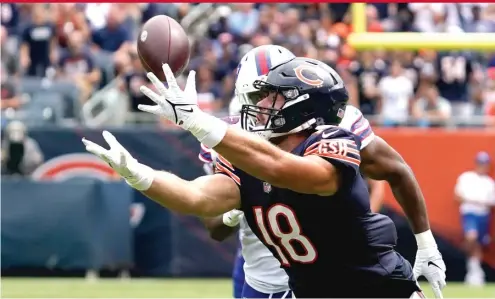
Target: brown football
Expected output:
[163,40]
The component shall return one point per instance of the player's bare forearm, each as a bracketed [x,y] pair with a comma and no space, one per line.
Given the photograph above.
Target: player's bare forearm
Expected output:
[218,230]
[381,162]
[267,162]
[206,196]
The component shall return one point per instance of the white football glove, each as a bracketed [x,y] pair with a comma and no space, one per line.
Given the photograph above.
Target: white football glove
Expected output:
[174,104]
[181,107]
[137,175]
[232,218]
[429,263]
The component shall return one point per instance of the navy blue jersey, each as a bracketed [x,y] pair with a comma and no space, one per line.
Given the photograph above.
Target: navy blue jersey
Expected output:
[413,70]
[321,241]
[453,74]
[367,76]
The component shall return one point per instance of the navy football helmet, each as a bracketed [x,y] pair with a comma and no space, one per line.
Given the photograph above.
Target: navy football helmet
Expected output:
[313,92]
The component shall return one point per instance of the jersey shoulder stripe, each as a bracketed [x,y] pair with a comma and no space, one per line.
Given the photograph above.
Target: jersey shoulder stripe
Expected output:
[357,123]
[361,127]
[205,154]
[224,167]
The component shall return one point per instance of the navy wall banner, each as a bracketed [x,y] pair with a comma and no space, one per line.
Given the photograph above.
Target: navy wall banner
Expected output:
[73,225]
[162,243]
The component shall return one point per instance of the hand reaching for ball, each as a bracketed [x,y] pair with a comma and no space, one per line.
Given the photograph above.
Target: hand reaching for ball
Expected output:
[181,107]
[172,103]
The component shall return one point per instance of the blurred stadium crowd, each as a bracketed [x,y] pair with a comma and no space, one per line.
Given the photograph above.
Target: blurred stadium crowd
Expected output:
[67,64]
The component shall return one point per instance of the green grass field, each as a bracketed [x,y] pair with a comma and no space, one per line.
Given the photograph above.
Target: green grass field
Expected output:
[163,288]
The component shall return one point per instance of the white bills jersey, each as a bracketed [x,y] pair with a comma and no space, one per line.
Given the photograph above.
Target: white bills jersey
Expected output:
[261,269]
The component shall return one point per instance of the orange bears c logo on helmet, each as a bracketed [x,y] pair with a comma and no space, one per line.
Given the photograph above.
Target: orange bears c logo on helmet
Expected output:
[300,70]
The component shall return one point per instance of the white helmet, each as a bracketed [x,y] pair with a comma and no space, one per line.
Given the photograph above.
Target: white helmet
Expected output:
[235,106]
[254,66]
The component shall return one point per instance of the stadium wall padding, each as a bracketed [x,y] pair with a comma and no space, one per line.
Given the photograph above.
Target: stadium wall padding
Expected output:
[438,157]
[167,244]
[69,225]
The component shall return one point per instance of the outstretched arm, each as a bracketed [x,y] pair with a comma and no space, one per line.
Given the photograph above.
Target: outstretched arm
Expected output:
[246,151]
[206,196]
[263,160]
[381,162]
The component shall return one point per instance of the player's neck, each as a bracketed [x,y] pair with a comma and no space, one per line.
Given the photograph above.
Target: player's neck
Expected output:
[290,142]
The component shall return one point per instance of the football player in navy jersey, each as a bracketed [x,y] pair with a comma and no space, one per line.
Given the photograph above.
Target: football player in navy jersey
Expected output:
[303,197]
[257,273]
[368,72]
[454,74]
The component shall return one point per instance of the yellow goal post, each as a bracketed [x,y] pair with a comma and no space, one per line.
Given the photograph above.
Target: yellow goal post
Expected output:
[359,39]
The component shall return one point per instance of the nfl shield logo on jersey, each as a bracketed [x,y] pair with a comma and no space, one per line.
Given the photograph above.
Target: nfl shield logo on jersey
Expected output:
[267,187]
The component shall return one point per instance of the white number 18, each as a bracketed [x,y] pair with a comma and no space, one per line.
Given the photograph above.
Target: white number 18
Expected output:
[284,238]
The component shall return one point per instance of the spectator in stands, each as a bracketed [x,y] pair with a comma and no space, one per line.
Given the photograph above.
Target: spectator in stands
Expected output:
[244,21]
[38,48]
[220,26]
[368,71]
[475,191]
[396,92]
[489,97]
[260,40]
[21,154]
[77,64]
[9,60]
[114,36]
[455,74]
[10,17]
[9,93]
[477,23]
[69,18]
[289,29]
[96,15]
[431,109]
[433,17]
[226,56]
[266,21]
[312,30]
[412,66]
[372,19]
[133,79]
[209,91]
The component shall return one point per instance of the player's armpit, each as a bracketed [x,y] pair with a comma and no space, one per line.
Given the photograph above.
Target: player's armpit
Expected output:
[380,161]
[219,194]
[206,196]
